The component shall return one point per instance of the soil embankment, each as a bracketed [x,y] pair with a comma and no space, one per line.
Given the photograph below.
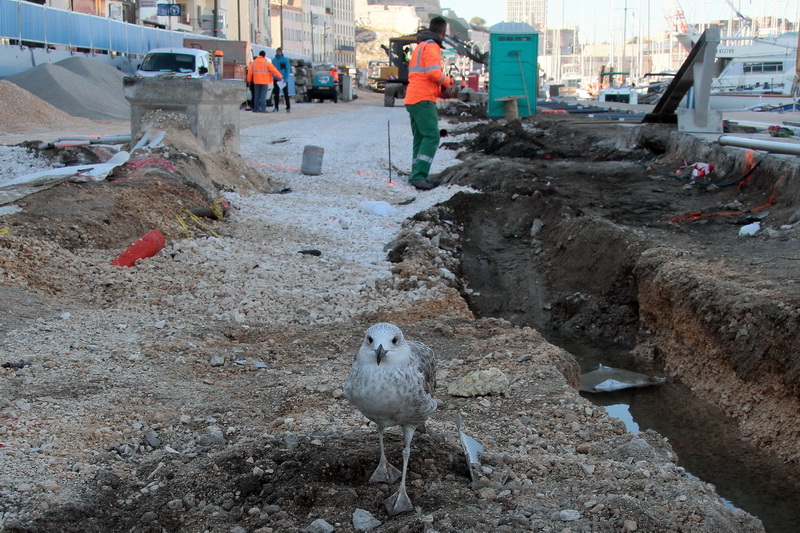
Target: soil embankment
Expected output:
[604,240]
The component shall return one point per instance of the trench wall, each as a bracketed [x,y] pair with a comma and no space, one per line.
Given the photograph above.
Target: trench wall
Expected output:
[734,344]
[732,341]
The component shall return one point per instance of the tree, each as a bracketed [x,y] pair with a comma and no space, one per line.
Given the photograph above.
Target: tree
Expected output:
[478,23]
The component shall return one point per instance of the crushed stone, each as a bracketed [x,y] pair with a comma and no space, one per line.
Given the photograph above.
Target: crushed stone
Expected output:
[79,87]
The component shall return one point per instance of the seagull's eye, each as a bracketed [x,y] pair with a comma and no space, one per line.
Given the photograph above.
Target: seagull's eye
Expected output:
[369,340]
[394,340]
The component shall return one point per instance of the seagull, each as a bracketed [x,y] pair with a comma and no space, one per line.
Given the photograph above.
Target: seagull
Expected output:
[392,383]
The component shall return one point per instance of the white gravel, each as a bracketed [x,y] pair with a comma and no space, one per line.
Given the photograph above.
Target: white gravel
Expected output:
[16,161]
[252,275]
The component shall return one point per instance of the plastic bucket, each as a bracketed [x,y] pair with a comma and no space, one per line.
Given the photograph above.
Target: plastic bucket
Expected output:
[312,160]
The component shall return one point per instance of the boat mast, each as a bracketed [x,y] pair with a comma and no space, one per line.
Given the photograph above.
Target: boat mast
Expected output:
[796,88]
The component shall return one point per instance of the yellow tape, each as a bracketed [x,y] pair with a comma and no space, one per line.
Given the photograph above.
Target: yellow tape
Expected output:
[4,230]
[194,218]
[216,208]
[182,224]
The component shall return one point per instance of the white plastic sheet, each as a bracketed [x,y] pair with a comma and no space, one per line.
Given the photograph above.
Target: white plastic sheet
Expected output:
[22,186]
[608,379]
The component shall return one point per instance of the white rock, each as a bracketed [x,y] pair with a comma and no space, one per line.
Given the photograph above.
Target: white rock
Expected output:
[480,383]
[364,520]
[750,229]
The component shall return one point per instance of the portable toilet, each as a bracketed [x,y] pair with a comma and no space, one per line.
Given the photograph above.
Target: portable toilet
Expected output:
[513,69]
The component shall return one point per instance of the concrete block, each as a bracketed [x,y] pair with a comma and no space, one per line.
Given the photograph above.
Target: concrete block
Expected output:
[210,105]
[688,121]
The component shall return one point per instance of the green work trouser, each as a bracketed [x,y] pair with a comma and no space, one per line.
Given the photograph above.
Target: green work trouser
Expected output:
[425,127]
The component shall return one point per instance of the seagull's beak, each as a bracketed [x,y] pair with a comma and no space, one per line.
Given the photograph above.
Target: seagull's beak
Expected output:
[379,353]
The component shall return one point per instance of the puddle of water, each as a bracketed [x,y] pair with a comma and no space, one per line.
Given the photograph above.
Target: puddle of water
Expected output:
[622,411]
[708,443]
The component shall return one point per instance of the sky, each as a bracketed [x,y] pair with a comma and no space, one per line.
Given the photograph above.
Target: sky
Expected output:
[599,20]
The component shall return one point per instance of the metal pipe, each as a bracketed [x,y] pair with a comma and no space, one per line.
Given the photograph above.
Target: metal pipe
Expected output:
[777,147]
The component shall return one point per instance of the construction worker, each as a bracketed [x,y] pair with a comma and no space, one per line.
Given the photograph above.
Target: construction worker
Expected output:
[282,64]
[425,81]
[261,73]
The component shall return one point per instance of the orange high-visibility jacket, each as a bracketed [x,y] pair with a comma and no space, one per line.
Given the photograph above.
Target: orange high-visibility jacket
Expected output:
[425,76]
[261,71]
[335,73]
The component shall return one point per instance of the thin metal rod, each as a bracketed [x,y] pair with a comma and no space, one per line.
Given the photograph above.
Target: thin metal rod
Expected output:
[389,134]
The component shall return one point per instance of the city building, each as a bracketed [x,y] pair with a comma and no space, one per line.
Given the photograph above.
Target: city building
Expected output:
[533,12]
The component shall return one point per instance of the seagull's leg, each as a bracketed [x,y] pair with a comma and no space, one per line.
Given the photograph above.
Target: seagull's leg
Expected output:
[385,473]
[399,502]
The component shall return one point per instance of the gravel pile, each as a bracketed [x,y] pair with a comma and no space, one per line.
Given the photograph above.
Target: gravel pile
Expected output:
[79,87]
[23,112]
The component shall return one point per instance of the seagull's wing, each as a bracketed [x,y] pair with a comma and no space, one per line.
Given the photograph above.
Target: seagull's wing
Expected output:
[425,361]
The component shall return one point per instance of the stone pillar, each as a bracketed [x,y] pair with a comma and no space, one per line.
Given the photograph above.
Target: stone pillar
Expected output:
[211,106]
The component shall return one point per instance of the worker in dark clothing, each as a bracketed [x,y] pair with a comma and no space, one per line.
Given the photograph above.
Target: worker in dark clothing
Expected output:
[282,64]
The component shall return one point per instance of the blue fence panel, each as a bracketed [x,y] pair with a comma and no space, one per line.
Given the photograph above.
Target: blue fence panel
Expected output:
[80,34]
[119,36]
[101,38]
[31,21]
[57,25]
[134,36]
[9,19]
[150,39]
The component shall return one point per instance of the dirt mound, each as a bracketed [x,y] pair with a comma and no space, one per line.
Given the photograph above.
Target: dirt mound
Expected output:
[79,87]
[213,172]
[23,112]
[152,190]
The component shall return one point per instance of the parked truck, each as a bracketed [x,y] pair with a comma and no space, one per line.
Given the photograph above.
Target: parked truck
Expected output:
[236,55]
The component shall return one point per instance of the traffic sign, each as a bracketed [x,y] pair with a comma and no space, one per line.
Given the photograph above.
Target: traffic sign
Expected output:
[169,10]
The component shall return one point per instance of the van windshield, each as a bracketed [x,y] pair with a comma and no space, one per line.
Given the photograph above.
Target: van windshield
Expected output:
[168,62]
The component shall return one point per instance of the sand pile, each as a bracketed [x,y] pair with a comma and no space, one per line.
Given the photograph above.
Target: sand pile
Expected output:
[78,86]
[23,112]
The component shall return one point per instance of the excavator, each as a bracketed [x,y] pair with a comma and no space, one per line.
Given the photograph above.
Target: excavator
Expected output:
[394,78]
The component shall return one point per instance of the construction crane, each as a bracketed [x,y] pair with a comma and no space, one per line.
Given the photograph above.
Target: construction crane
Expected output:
[676,20]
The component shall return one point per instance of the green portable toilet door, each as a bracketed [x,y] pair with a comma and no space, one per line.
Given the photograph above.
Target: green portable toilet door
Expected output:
[513,68]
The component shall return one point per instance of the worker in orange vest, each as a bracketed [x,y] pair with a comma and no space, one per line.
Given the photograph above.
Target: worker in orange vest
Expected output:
[335,73]
[261,73]
[425,81]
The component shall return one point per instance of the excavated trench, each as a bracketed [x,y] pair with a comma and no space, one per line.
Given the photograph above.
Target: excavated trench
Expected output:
[577,247]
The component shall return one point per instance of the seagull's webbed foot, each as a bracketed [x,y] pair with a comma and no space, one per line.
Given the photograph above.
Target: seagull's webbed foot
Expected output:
[398,503]
[385,473]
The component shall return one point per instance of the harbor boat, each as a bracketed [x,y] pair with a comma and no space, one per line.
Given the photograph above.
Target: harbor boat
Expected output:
[756,73]
[617,92]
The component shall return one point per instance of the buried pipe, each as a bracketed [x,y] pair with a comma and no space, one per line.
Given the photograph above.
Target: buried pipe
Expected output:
[777,147]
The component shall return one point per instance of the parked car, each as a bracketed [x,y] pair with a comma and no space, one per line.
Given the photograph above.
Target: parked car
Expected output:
[177,62]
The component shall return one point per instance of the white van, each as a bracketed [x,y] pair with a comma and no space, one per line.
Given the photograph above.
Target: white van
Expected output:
[177,62]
